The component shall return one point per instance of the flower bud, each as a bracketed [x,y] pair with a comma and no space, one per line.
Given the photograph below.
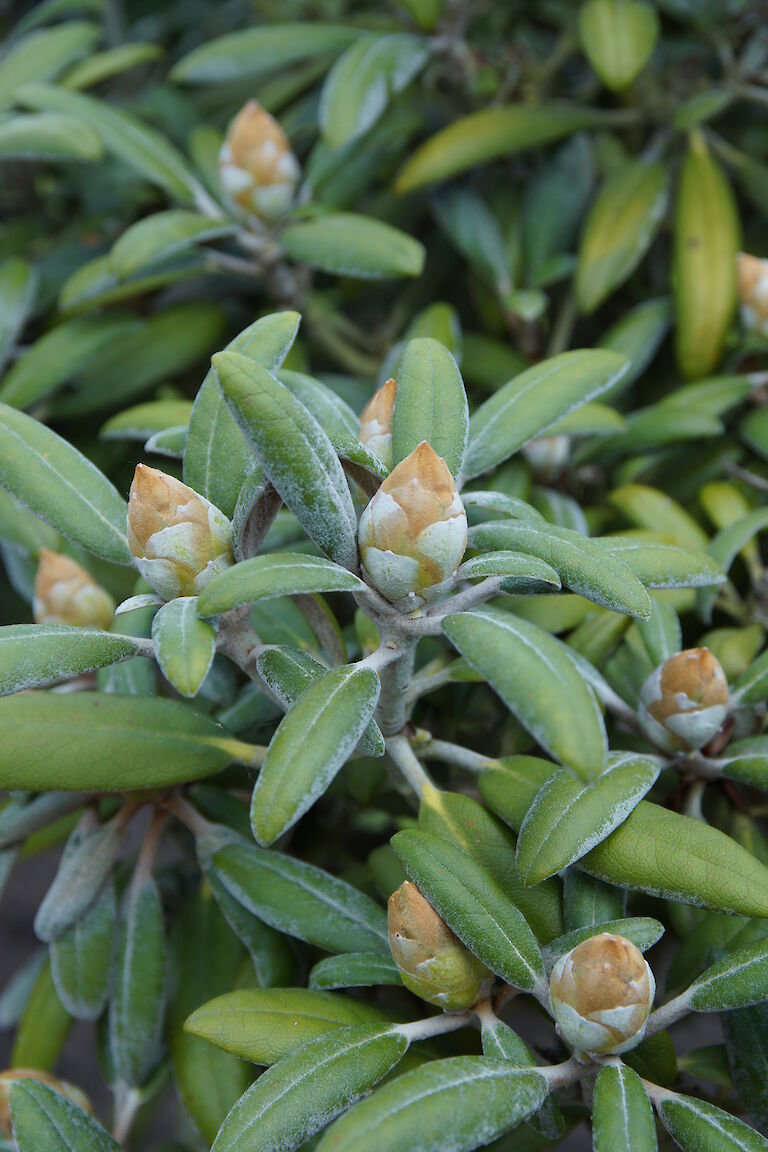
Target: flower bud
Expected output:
[179,540]
[684,702]
[413,533]
[601,994]
[753,293]
[433,963]
[7,1080]
[376,422]
[66,594]
[257,169]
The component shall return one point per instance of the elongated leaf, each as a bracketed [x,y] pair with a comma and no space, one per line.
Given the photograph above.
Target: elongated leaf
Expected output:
[143,420]
[655,850]
[752,685]
[47,136]
[622,1116]
[496,131]
[746,1037]
[500,1041]
[694,1124]
[81,959]
[332,413]
[217,456]
[64,488]
[725,548]
[23,816]
[308,1088]
[265,1024]
[456,1104]
[363,80]
[265,577]
[526,668]
[42,55]
[649,508]
[664,565]
[18,285]
[299,899]
[430,404]
[354,970]
[138,998]
[111,62]
[347,244]
[567,819]
[737,981]
[638,335]
[618,37]
[205,958]
[473,905]
[253,51]
[44,1026]
[143,148]
[269,951]
[35,654]
[90,741]
[44,1121]
[289,671]
[158,237]
[519,569]
[184,644]
[295,452]
[529,403]
[83,870]
[584,565]
[643,931]
[620,229]
[310,746]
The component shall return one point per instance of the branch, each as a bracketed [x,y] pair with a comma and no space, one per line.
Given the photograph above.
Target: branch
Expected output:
[455,754]
[406,760]
[669,1013]
[434,1026]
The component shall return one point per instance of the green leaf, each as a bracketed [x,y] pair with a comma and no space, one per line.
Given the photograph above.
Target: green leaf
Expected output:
[496,131]
[567,819]
[638,335]
[618,37]
[299,899]
[457,1104]
[754,431]
[217,457]
[354,970]
[59,354]
[724,549]
[265,1024]
[752,685]
[158,237]
[471,227]
[47,136]
[205,959]
[473,905]
[32,655]
[295,453]
[643,931]
[289,671]
[253,51]
[620,228]
[309,1087]
[430,404]
[44,1121]
[347,244]
[521,570]
[500,1041]
[269,951]
[310,746]
[88,741]
[137,1006]
[18,287]
[655,850]
[84,868]
[583,564]
[554,201]
[143,420]
[622,1116]
[737,981]
[279,574]
[81,959]
[124,135]
[184,644]
[112,62]
[525,666]
[649,508]
[332,413]
[529,403]
[363,81]
[64,488]
[664,565]
[746,1037]
[694,1125]
[43,55]
[43,1028]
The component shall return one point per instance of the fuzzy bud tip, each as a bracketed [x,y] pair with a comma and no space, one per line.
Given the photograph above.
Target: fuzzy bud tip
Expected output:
[65,593]
[684,702]
[258,171]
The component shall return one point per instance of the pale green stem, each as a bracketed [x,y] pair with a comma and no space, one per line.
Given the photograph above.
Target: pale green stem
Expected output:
[391,713]
[434,1026]
[668,1014]
[449,753]
[408,763]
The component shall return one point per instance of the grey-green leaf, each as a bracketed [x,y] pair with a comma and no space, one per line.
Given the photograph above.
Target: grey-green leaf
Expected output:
[162,235]
[44,1121]
[736,981]
[278,574]
[32,655]
[184,644]
[354,970]
[622,1116]
[83,870]
[253,51]
[136,1013]
[694,1125]
[81,959]
[430,404]
[347,244]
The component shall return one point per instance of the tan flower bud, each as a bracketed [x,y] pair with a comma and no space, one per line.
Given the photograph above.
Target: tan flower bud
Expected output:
[66,594]
[601,994]
[753,293]
[257,169]
[433,963]
[7,1080]
[376,422]
[684,702]
[413,533]
[179,540]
